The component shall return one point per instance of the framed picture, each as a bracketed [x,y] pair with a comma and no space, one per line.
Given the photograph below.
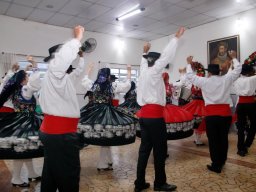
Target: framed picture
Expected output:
[218,51]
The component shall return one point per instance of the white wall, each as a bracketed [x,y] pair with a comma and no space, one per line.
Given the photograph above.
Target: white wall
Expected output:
[25,37]
[194,41]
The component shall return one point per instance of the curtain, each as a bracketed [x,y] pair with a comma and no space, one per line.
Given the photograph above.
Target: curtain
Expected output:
[6,61]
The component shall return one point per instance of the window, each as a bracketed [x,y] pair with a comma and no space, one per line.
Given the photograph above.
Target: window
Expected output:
[121,74]
[41,66]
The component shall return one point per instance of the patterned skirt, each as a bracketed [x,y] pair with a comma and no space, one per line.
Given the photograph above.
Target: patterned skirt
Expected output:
[106,125]
[19,135]
[179,123]
[197,108]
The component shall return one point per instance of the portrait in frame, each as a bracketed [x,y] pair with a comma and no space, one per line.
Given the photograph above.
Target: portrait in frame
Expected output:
[218,51]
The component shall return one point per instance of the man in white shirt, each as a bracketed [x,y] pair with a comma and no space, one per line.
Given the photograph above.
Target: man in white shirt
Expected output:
[245,87]
[61,110]
[151,96]
[216,94]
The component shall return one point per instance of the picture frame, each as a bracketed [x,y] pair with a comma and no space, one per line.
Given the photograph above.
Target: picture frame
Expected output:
[217,51]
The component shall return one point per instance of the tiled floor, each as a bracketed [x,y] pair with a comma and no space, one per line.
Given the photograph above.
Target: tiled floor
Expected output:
[186,167]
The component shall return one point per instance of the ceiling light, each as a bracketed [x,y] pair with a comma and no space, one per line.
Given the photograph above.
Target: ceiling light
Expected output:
[130,14]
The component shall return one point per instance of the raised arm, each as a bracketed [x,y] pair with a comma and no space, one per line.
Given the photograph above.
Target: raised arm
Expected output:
[33,85]
[234,74]
[123,87]
[190,76]
[169,51]
[144,62]
[66,54]
[80,69]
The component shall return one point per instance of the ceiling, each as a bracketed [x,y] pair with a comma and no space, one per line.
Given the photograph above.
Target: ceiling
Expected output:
[160,18]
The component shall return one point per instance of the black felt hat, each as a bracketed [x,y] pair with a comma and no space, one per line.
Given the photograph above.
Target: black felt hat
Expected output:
[213,69]
[154,55]
[247,69]
[51,51]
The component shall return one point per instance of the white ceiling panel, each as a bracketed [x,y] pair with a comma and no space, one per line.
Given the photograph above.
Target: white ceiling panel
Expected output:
[93,25]
[94,11]
[167,12]
[210,5]
[39,15]
[155,25]
[173,1]
[59,19]
[167,30]
[75,7]
[3,7]
[178,18]
[193,19]
[195,24]
[19,11]
[188,4]
[138,21]
[92,1]
[220,12]
[76,21]
[155,7]
[52,5]
[29,3]
[160,18]
[112,3]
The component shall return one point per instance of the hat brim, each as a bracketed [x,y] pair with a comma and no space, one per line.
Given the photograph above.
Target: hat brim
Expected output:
[46,59]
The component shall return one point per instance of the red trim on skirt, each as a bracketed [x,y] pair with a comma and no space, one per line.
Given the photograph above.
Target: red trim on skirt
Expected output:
[6,110]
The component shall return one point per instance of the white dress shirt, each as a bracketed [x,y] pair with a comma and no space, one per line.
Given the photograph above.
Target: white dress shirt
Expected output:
[151,88]
[245,86]
[215,89]
[58,93]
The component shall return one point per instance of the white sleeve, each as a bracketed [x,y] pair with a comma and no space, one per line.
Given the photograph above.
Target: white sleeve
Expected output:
[64,57]
[79,70]
[143,64]
[87,83]
[194,79]
[122,87]
[234,74]
[167,55]
[33,85]
[5,80]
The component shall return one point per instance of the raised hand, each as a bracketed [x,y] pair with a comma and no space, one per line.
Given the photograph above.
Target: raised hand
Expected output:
[146,47]
[189,59]
[180,32]
[232,54]
[78,32]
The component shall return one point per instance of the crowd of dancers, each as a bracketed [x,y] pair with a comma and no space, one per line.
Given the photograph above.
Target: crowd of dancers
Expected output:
[43,119]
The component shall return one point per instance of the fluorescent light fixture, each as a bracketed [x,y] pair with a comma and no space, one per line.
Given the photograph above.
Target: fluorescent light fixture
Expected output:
[130,14]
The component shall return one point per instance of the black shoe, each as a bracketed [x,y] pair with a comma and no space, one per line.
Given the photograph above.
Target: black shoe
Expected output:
[242,153]
[142,187]
[21,185]
[214,169]
[35,178]
[165,187]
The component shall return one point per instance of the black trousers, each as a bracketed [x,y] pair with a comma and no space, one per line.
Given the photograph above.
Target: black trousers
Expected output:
[244,111]
[217,128]
[61,168]
[153,136]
